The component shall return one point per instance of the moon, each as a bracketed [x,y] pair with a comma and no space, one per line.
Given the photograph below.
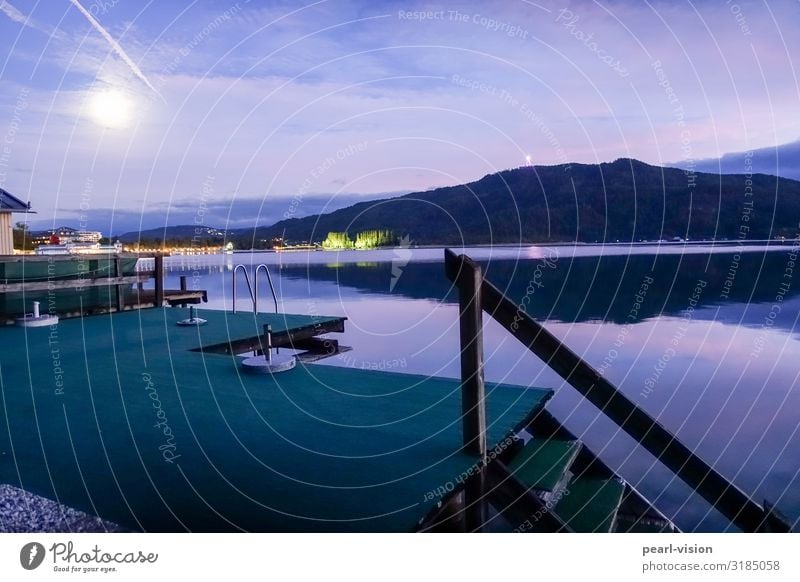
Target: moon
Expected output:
[110,109]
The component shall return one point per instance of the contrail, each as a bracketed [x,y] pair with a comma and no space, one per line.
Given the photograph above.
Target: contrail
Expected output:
[115,45]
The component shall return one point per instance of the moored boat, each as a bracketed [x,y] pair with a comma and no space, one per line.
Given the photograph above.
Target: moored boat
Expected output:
[53,265]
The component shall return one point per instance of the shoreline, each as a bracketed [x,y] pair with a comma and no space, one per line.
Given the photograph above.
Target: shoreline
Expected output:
[719,243]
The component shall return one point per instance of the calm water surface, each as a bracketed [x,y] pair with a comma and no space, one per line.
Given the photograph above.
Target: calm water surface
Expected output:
[705,339]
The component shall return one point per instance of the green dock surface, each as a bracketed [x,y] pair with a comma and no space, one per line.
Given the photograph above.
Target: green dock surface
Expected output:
[119,416]
[542,463]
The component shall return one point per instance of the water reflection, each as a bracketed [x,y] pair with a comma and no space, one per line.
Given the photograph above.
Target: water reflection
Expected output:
[600,288]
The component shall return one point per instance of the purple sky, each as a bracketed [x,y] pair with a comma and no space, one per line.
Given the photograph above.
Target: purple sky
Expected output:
[173,110]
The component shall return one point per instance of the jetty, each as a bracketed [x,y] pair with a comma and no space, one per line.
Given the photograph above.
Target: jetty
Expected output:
[79,285]
[154,426]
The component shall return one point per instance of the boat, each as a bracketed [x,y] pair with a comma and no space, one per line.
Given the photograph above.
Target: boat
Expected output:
[79,248]
[63,261]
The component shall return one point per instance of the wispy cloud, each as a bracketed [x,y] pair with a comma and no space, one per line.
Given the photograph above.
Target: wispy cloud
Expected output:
[115,45]
[225,213]
[13,13]
[19,17]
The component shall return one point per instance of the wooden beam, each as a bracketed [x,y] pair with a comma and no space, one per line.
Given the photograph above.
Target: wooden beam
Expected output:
[120,297]
[183,298]
[517,503]
[317,345]
[159,275]
[75,283]
[475,514]
[279,339]
[473,396]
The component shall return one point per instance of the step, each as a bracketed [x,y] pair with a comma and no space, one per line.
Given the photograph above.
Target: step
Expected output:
[543,464]
[590,504]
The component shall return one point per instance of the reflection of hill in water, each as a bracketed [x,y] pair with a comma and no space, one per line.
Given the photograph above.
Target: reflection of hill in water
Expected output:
[592,288]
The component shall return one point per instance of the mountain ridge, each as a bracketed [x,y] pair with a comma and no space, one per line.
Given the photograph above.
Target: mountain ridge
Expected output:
[625,200]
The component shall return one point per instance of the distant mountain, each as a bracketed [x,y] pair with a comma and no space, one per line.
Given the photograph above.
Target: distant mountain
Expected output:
[181,232]
[782,160]
[626,200]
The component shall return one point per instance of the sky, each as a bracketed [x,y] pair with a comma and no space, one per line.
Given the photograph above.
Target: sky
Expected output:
[121,114]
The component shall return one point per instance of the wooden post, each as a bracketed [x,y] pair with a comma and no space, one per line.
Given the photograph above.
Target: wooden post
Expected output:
[184,287]
[473,397]
[119,292]
[159,274]
[475,515]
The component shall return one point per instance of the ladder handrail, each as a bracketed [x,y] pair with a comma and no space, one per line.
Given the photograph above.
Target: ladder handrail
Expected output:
[249,287]
[253,289]
[723,495]
[271,286]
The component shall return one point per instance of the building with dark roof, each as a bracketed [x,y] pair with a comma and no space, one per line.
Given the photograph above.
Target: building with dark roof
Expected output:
[9,204]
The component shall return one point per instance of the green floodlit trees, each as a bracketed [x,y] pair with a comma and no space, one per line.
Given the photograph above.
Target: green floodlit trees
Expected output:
[368,239]
[371,239]
[337,240]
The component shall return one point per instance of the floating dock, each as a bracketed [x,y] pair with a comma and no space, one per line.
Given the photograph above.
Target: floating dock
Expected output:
[124,416]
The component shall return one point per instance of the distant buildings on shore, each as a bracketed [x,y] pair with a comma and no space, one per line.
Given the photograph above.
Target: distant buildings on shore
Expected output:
[65,235]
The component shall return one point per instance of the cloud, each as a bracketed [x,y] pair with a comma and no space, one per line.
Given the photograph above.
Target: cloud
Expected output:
[13,13]
[782,160]
[224,213]
[18,17]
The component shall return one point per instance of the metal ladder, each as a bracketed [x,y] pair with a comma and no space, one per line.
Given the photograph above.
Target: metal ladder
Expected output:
[253,289]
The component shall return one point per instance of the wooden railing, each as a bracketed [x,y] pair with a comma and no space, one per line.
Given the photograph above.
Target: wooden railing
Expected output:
[477,295]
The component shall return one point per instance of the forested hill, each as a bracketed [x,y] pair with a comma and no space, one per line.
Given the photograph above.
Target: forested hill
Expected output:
[625,200]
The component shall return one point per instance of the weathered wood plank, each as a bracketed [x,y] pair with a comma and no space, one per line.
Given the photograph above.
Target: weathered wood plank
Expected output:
[120,295]
[280,339]
[518,504]
[159,276]
[473,397]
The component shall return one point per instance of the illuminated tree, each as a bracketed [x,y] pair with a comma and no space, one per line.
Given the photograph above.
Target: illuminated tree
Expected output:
[337,240]
[371,239]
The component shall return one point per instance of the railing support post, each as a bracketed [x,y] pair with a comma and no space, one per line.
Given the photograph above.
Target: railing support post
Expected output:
[159,274]
[473,396]
[475,502]
[473,392]
[120,298]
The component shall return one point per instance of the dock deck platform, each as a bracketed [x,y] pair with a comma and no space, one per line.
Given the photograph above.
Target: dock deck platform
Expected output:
[122,416]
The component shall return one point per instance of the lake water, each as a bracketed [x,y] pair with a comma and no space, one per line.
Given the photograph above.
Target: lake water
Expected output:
[703,338]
